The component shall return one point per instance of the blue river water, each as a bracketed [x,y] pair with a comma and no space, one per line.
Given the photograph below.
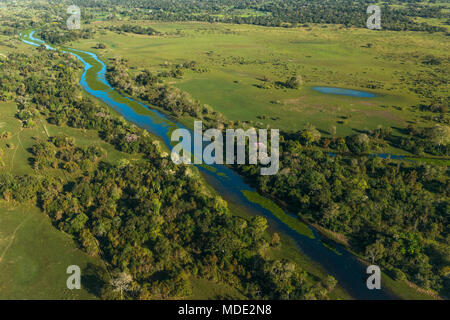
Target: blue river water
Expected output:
[345,92]
[340,263]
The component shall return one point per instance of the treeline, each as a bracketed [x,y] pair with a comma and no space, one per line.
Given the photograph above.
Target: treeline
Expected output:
[152,222]
[276,13]
[11,25]
[147,87]
[395,213]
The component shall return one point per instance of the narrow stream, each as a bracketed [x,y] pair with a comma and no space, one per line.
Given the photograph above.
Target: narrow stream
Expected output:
[349,272]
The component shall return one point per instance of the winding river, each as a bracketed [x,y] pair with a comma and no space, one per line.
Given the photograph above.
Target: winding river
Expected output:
[343,265]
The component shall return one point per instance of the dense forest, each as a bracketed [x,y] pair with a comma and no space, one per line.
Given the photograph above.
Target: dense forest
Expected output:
[154,223]
[394,213]
[61,35]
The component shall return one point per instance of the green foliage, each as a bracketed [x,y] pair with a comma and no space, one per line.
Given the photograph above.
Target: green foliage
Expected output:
[284,13]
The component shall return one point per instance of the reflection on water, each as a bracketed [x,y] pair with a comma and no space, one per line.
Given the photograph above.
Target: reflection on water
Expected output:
[345,92]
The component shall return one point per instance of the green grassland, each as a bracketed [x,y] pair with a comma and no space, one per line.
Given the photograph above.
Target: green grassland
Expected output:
[323,56]
[16,149]
[237,57]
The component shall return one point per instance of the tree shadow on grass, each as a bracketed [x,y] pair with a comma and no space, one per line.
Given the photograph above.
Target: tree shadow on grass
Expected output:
[404,131]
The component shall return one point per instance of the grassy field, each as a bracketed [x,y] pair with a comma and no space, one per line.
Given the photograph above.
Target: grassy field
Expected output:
[203,289]
[289,250]
[237,57]
[34,257]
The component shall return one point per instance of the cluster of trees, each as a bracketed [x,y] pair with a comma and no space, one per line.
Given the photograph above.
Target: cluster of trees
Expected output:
[293,82]
[146,86]
[393,212]
[431,82]
[100,46]
[154,224]
[13,26]
[433,140]
[177,70]
[154,221]
[26,114]
[59,34]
